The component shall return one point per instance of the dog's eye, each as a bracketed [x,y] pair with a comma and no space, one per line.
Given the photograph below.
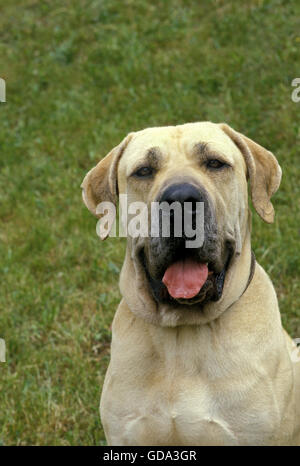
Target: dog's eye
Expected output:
[215,164]
[144,172]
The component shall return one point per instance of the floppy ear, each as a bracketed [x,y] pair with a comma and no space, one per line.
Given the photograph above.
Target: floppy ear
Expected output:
[263,170]
[100,183]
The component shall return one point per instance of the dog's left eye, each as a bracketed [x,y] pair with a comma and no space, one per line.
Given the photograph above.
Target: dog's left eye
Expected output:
[215,164]
[144,172]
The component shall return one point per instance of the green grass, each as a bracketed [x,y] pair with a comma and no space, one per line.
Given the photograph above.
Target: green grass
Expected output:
[81,75]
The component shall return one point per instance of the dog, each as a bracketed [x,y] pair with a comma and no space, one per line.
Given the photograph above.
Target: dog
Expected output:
[198,355]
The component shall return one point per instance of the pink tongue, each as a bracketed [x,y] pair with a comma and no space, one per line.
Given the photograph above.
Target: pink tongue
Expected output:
[185,278]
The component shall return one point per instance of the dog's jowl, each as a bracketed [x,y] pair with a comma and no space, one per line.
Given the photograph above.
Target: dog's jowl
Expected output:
[199,355]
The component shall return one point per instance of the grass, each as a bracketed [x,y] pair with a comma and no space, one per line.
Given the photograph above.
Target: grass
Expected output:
[80,75]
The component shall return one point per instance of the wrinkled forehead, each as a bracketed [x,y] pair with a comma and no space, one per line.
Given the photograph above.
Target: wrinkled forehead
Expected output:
[182,141]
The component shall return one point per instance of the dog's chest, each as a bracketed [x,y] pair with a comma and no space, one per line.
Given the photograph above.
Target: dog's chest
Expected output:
[186,411]
[186,418]
[180,389]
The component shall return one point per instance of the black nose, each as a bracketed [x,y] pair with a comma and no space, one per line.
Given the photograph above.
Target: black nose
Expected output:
[183,192]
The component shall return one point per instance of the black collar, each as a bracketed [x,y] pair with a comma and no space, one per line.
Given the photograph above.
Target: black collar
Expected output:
[251,273]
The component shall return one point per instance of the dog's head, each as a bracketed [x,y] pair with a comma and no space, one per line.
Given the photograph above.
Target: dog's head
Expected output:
[177,278]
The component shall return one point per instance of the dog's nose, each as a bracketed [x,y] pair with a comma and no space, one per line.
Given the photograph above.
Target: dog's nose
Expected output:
[183,192]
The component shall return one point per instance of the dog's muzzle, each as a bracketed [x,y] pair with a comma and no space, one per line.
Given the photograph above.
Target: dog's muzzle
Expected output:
[177,271]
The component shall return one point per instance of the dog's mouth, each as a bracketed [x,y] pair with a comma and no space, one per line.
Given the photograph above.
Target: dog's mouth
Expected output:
[188,281]
[185,278]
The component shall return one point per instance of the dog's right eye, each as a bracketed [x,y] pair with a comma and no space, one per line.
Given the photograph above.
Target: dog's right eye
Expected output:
[143,172]
[215,164]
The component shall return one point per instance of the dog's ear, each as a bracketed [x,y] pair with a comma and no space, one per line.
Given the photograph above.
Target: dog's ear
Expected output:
[264,172]
[100,184]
